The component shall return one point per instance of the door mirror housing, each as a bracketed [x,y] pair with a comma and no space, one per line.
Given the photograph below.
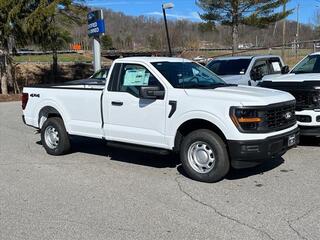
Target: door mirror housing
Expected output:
[285,69]
[152,92]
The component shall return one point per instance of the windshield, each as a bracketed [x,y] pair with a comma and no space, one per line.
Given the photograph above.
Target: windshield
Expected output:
[102,74]
[229,67]
[188,75]
[310,64]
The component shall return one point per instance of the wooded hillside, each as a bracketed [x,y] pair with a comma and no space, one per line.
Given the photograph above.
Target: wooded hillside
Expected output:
[128,32]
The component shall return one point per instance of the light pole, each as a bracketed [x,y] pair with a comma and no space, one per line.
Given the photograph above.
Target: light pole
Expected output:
[164,7]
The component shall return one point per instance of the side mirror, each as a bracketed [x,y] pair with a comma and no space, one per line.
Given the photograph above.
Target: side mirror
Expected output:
[256,75]
[285,69]
[152,92]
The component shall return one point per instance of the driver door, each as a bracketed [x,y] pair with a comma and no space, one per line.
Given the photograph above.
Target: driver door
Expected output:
[260,69]
[128,117]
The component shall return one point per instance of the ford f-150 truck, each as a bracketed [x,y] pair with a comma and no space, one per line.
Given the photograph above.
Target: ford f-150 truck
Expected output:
[246,70]
[303,82]
[168,104]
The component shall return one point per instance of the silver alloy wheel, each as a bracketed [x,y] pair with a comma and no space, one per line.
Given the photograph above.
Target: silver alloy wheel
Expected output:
[51,137]
[201,157]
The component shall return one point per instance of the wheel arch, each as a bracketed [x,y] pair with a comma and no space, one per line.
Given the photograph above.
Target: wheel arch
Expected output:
[47,112]
[195,124]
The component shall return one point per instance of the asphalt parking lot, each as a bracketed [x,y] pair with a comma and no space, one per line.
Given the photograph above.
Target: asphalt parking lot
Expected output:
[100,193]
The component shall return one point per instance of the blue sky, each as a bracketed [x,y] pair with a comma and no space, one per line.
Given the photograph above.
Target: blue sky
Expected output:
[187,9]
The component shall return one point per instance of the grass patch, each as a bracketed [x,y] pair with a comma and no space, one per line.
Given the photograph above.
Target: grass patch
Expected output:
[10,98]
[75,57]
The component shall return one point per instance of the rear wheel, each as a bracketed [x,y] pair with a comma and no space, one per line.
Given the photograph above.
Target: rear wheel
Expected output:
[204,156]
[54,137]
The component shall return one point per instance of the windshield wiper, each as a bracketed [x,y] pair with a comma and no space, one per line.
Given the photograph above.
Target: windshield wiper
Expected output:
[300,72]
[207,86]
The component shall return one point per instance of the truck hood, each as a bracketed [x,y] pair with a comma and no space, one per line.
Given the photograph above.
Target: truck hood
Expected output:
[242,95]
[232,79]
[303,77]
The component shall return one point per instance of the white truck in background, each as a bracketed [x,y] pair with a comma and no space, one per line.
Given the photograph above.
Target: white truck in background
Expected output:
[303,82]
[161,105]
[246,70]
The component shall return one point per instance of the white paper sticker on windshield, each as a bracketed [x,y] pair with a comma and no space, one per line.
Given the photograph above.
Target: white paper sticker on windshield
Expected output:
[276,66]
[136,77]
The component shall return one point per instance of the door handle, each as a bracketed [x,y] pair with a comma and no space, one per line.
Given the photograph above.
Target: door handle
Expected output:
[117,103]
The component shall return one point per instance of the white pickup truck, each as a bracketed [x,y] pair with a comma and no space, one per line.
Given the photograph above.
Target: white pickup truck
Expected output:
[303,82]
[246,70]
[161,105]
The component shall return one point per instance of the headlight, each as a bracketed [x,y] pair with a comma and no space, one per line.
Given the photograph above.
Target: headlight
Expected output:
[245,119]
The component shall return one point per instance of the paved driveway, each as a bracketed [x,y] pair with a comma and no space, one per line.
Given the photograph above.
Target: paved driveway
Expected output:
[100,193]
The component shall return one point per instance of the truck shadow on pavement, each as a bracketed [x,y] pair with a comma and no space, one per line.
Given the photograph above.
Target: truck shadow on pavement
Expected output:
[235,174]
[309,141]
[99,148]
[267,166]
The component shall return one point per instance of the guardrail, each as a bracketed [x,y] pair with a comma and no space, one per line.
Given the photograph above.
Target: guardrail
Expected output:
[20,53]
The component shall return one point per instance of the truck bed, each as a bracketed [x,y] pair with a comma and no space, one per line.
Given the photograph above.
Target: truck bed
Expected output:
[79,104]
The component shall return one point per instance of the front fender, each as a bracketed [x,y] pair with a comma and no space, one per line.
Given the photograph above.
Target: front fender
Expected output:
[192,115]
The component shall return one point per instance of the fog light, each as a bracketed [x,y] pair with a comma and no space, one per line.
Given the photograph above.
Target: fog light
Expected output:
[303,118]
[250,148]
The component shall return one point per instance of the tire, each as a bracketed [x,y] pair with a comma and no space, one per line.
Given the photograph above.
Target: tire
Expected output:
[54,137]
[204,156]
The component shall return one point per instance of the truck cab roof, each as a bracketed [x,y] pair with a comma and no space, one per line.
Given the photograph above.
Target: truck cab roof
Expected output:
[246,57]
[315,53]
[151,59]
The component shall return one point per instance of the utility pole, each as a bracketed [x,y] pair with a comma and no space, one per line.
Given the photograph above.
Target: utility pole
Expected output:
[284,31]
[298,23]
[166,6]
[297,34]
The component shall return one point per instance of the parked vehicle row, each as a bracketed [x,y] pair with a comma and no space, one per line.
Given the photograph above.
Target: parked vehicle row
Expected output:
[164,105]
[303,82]
[246,70]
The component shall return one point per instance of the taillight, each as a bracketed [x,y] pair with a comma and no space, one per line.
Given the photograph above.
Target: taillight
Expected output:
[24,100]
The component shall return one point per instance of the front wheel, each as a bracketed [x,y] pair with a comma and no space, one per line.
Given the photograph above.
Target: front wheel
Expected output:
[54,137]
[204,156]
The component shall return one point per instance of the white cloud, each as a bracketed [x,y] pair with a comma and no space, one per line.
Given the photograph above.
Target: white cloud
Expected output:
[190,16]
[195,15]
[103,3]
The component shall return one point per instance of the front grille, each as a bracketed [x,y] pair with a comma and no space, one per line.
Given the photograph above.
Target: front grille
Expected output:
[280,117]
[274,117]
[306,93]
[305,99]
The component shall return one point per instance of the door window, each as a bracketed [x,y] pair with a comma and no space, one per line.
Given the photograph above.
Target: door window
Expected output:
[275,65]
[261,67]
[134,76]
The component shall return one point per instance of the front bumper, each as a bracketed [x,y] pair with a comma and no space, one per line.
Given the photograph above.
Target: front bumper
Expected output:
[310,123]
[245,154]
[310,131]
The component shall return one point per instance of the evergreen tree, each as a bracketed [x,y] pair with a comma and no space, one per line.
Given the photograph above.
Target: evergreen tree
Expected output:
[12,15]
[50,25]
[106,42]
[259,13]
